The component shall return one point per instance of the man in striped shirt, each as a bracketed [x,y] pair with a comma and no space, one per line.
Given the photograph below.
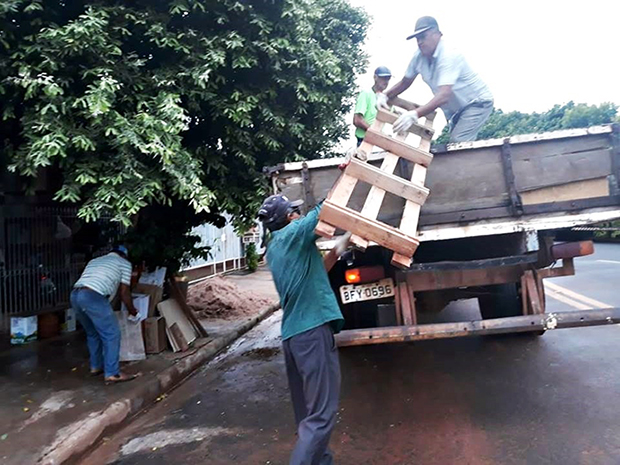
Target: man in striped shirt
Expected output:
[90,299]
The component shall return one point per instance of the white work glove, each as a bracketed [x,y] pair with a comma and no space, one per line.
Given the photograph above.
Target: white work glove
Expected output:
[382,101]
[342,243]
[405,121]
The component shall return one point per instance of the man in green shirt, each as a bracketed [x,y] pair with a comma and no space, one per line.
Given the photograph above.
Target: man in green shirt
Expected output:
[311,317]
[366,105]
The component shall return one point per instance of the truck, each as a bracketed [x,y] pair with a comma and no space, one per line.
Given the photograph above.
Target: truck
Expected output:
[487,232]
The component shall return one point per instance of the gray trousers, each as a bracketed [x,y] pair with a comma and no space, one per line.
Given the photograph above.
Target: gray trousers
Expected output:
[313,371]
[466,124]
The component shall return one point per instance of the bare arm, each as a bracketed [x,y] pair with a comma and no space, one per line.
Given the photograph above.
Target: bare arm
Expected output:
[360,122]
[127,299]
[399,87]
[441,97]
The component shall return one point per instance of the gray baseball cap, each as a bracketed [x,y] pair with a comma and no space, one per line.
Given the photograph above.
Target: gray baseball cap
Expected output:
[383,71]
[424,24]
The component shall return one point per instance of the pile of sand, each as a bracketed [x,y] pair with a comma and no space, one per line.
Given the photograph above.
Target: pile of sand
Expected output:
[219,298]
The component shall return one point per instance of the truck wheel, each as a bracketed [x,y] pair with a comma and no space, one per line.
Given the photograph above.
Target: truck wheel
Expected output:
[499,301]
[503,300]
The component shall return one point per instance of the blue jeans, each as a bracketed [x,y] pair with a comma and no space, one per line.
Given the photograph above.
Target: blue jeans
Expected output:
[103,335]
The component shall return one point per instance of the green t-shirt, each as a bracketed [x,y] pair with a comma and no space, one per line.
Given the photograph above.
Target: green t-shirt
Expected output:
[306,296]
[366,105]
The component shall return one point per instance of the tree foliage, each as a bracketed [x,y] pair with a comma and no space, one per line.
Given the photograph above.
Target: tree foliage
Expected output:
[141,102]
[566,116]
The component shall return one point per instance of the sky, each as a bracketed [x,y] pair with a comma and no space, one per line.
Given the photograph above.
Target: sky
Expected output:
[531,54]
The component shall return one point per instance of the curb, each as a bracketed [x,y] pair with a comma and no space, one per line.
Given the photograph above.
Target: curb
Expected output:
[77,437]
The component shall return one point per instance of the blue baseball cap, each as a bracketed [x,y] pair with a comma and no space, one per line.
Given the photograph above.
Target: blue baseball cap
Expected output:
[383,71]
[275,209]
[121,249]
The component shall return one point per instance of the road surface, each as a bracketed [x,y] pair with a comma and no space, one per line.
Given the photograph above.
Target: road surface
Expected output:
[494,400]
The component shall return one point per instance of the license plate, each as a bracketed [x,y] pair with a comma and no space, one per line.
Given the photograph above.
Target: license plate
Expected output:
[377,290]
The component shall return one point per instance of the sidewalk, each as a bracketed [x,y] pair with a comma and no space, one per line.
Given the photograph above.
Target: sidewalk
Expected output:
[52,409]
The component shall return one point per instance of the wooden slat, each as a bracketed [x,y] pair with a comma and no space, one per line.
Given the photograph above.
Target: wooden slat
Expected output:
[407,105]
[406,304]
[342,190]
[417,128]
[375,197]
[411,213]
[532,293]
[386,181]
[525,305]
[380,233]
[398,148]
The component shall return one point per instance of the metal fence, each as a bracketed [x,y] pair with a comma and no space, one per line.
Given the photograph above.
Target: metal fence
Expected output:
[227,251]
[44,249]
[42,252]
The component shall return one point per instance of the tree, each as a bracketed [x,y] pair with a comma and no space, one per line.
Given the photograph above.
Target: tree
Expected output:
[566,116]
[141,102]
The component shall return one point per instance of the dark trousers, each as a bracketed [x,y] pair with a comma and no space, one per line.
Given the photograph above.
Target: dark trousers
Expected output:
[313,371]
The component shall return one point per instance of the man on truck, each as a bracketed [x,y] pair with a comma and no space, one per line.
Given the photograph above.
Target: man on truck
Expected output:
[311,316]
[366,104]
[464,98]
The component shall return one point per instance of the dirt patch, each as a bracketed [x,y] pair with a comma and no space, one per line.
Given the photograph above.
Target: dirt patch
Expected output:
[220,298]
[262,353]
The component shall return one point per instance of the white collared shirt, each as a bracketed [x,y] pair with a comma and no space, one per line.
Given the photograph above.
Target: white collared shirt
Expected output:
[448,67]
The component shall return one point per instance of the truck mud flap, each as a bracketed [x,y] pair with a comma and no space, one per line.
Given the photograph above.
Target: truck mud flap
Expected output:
[517,324]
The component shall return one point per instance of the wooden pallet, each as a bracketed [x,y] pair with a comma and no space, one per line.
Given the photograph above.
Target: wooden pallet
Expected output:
[364,224]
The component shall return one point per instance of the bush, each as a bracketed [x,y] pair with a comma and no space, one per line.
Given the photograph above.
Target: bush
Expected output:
[251,258]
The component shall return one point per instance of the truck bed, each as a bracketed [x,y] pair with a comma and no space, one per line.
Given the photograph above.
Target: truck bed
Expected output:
[523,183]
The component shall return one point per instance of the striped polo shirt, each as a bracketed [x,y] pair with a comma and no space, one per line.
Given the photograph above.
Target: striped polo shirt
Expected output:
[104,274]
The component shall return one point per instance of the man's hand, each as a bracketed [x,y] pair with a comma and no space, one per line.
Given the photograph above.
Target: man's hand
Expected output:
[334,254]
[382,101]
[127,299]
[342,243]
[405,121]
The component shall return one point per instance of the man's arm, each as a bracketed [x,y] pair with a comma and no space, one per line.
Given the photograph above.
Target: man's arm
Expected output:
[441,98]
[334,254]
[399,87]
[360,122]
[127,299]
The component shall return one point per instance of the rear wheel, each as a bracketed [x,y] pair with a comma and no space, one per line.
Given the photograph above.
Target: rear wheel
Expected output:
[501,301]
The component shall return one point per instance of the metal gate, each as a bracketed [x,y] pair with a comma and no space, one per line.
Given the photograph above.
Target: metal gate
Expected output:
[42,252]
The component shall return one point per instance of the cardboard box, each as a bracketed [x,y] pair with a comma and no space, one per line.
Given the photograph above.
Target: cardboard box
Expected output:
[141,303]
[132,342]
[23,329]
[155,294]
[155,334]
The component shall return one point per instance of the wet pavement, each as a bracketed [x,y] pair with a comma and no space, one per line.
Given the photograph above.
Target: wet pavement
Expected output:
[479,400]
[46,389]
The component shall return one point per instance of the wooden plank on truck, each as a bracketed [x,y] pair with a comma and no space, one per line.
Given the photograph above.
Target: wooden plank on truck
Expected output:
[342,190]
[364,224]
[374,200]
[411,213]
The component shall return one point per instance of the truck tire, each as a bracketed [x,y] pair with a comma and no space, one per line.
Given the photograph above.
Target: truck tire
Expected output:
[503,300]
[499,301]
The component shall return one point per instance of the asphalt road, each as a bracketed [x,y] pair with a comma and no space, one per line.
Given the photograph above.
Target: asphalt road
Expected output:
[493,400]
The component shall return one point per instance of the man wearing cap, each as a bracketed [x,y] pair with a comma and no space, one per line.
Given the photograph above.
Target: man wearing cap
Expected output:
[311,316]
[366,105]
[90,299]
[464,98]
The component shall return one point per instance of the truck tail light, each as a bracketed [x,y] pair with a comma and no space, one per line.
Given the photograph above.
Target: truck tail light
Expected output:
[364,274]
[352,276]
